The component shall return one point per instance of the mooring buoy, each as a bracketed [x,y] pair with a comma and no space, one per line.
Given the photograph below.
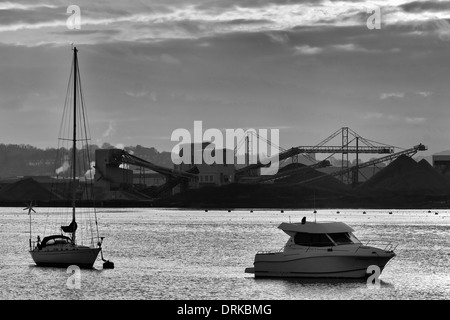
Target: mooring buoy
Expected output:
[108,265]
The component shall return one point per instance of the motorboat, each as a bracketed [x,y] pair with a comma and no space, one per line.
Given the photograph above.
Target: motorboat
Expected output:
[321,250]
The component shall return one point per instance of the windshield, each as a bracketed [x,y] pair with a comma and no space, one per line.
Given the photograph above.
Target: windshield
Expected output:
[312,239]
[343,238]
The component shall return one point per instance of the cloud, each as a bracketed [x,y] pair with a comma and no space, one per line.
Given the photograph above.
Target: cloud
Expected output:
[186,19]
[349,47]
[278,37]
[374,116]
[19,6]
[399,95]
[424,93]
[423,6]
[416,120]
[108,132]
[307,50]
[166,58]
[139,94]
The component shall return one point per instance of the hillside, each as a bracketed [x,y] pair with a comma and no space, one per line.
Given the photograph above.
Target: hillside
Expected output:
[26,160]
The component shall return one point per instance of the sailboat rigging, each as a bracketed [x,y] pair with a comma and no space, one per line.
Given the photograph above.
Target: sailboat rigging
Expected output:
[64,249]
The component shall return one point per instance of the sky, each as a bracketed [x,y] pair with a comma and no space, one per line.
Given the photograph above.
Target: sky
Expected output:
[306,68]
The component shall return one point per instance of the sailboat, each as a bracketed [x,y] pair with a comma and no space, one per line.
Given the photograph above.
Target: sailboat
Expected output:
[64,249]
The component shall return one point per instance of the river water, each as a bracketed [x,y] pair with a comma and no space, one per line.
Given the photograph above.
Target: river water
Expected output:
[166,254]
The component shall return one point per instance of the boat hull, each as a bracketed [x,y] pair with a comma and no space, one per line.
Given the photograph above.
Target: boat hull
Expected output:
[318,266]
[83,257]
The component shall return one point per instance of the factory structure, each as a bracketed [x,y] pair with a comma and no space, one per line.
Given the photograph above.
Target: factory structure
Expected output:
[120,175]
[441,163]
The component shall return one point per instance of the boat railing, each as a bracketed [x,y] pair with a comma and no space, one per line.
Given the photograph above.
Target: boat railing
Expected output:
[33,244]
[91,242]
[385,245]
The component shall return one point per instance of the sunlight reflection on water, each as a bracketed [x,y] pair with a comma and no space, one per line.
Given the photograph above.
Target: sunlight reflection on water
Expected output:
[182,254]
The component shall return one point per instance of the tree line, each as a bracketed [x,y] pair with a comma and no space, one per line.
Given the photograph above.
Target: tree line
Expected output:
[27,160]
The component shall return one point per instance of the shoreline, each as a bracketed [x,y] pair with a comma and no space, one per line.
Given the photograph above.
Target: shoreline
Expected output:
[430,205]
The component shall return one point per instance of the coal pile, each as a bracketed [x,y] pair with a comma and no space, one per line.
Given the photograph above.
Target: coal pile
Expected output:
[404,176]
[286,192]
[326,182]
[26,190]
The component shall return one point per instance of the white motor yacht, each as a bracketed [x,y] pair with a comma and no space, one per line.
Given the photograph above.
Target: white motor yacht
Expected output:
[321,250]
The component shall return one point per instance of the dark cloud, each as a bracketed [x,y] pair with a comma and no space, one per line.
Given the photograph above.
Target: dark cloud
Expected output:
[423,6]
[247,21]
[32,16]
[83,32]
[238,79]
[216,5]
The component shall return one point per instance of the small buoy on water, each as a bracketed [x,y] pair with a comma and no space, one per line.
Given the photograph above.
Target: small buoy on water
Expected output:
[337,212]
[429,211]
[315,211]
[251,210]
[108,265]
[282,211]
[364,212]
[436,213]
[390,212]
[229,210]
[206,210]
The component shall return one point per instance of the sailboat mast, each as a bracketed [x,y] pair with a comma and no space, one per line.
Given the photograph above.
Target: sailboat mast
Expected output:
[74,148]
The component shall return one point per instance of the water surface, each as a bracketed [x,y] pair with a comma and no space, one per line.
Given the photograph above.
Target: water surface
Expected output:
[162,254]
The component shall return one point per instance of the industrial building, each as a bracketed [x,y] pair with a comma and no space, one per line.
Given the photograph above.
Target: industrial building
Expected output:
[216,174]
[441,162]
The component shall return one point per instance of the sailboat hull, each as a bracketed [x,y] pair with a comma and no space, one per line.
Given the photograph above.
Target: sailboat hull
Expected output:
[83,257]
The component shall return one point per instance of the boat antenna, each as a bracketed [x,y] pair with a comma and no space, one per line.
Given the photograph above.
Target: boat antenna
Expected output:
[30,209]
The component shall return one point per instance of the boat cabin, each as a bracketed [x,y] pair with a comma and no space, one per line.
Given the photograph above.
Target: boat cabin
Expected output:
[54,240]
[324,234]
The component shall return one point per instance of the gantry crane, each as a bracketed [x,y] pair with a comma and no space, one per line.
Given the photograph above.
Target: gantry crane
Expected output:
[408,152]
[363,146]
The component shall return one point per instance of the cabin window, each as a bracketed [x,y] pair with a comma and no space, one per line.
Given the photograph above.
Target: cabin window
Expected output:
[312,239]
[340,238]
